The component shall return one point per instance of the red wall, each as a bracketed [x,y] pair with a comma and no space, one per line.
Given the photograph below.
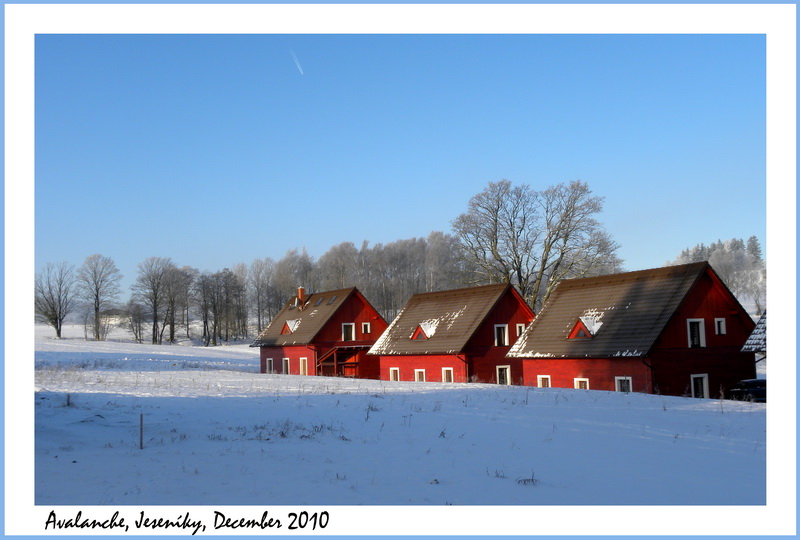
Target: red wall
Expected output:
[355,310]
[483,356]
[432,364]
[599,371]
[293,353]
[674,361]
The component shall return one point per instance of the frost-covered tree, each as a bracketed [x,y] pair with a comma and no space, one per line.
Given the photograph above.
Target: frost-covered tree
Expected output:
[534,239]
[98,284]
[150,289]
[55,294]
[740,266]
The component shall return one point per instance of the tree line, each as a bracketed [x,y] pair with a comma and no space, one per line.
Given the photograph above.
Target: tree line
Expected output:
[516,234]
[738,263]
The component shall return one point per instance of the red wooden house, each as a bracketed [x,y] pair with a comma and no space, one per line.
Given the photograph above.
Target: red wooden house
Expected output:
[675,330]
[326,333]
[454,336]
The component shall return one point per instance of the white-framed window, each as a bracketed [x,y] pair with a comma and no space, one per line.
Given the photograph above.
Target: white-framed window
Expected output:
[720,327]
[504,375]
[623,384]
[520,329]
[270,365]
[699,384]
[501,335]
[348,331]
[543,381]
[304,366]
[581,383]
[447,374]
[696,333]
[394,373]
[366,328]
[419,375]
[285,366]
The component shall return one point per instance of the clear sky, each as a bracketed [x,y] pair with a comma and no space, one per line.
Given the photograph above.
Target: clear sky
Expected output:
[219,149]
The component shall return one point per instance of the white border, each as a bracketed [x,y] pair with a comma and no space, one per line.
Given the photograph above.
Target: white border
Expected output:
[689,333]
[717,326]
[777,21]
[505,335]
[497,374]
[452,374]
[577,380]
[706,394]
[617,379]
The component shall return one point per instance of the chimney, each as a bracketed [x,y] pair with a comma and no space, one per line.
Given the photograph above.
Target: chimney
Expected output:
[301,296]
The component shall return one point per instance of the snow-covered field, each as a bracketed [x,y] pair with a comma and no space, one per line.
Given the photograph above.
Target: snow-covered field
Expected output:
[216,432]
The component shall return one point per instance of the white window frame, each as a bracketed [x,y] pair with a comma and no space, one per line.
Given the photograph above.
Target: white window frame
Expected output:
[617,380]
[286,366]
[520,329]
[720,326]
[504,327]
[452,375]
[351,325]
[705,384]
[540,378]
[303,366]
[270,365]
[394,373]
[689,332]
[366,328]
[417,373]
[508,372]
[577,380]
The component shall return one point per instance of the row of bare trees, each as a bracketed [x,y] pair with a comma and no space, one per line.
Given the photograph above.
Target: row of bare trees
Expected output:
[509,233]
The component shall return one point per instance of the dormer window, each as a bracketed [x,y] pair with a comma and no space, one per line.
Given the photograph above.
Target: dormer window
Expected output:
[290,326]
[425,330]
[419,335]
[579,331]
[585,328]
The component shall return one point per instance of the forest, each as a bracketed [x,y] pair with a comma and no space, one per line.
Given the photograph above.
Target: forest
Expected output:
[533,239]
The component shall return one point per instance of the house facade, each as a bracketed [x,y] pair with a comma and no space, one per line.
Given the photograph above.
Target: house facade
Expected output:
[454,336]
[325,333]
[675,330]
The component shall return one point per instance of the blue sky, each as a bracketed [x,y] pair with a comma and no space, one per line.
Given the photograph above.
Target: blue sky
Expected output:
[215,150]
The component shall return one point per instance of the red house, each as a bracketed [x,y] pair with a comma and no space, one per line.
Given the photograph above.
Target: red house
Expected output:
[326,333]
[454,336]
[675,330]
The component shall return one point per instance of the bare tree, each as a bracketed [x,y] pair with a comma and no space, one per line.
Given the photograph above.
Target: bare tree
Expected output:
[177,282]
[55,297]
[136,318]
[262,290]
[535,239]
[98,284]
[151,288]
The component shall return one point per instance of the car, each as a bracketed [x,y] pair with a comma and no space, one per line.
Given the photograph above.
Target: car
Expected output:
[750,390]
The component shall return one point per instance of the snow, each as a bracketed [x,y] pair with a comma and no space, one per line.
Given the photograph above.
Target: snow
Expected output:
[217,432]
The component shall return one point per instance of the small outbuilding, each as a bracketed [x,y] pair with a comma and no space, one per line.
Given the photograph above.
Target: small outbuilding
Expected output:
[454,336]
[325,333]
[676,330]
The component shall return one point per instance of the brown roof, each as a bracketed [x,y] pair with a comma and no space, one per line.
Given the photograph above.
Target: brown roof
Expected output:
[306,321]
[449,319]
[757,342]
[625,312]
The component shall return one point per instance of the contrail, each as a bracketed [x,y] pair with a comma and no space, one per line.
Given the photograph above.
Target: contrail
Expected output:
[297,63]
